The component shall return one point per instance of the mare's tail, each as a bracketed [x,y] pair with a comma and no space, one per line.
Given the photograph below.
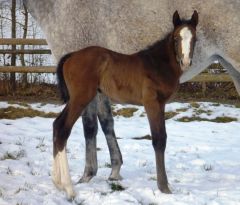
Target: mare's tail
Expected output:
[60,78]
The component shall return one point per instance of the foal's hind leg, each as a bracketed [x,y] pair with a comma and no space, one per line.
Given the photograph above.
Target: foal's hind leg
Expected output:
[61,130]
[90,126]
[107,124]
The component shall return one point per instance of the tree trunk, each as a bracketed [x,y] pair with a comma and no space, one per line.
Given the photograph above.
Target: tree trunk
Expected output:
[13,58]
[25,29]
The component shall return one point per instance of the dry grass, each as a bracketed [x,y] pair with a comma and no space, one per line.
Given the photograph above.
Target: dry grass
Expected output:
[15,113]
[14,156]
[146,137]
[201,111]
[169,115]
[125,112]
[223,119]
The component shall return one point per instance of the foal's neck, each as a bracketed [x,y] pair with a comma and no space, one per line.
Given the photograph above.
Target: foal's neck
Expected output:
[161,56]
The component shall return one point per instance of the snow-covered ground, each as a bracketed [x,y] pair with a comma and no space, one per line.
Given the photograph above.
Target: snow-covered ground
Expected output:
[202,160]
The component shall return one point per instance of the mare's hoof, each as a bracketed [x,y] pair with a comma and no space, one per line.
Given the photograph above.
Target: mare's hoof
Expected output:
[85,179]
[115,178]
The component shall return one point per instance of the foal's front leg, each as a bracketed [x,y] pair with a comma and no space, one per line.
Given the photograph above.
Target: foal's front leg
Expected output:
[155,113]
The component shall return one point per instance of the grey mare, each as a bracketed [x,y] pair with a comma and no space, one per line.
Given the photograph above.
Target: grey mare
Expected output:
[71,24]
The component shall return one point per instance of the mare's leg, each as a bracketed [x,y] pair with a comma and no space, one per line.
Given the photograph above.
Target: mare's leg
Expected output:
[234,73]
[61,130]
[106,120]
[90,127]
[155,113]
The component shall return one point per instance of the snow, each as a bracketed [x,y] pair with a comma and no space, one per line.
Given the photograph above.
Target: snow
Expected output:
[202,160]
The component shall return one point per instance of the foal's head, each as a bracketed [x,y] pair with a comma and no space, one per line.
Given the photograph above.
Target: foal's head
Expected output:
[184,36]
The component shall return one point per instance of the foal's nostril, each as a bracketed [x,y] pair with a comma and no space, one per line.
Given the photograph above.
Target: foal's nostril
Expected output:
[181,62]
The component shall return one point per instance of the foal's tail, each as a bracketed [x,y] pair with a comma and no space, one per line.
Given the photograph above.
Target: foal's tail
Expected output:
[60,78]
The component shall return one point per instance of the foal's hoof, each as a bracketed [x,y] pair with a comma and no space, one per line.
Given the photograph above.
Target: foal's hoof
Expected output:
[165,190]
[71,196]
[85,179]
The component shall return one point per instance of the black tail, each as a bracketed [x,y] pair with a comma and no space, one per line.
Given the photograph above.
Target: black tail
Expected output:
[60,78]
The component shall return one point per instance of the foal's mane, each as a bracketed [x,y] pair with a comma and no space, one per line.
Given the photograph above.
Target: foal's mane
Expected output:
[155,54]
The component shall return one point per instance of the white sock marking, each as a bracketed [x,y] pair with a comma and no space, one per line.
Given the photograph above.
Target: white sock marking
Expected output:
[61,175]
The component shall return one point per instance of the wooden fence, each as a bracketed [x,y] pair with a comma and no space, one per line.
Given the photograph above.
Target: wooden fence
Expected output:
[203,77]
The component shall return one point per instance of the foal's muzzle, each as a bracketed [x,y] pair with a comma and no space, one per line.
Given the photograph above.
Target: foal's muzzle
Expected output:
[185,62]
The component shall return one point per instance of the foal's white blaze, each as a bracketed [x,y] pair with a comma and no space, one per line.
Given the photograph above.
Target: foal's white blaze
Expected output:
[60,173]
[186,36]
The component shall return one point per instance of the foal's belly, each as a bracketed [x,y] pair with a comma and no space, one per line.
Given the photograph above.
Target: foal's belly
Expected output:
[122,93]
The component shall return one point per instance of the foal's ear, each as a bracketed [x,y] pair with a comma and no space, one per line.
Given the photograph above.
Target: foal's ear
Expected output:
[194,19]
[176,19]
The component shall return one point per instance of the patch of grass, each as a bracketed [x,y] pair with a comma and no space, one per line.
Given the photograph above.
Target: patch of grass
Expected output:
[207,167]
[216,104]
[20,189]
[194,104]
[41,145]
[201,111]
[146,137]
[116,187]
[103,193]
[14,156]
[23,104]
[169,115]
[223,119]
[20,141]
[153,178]
[9,171]
[1,193]
[182,109]
[15,113]
[125,112]
[34,173]
[108,165]
[176,180]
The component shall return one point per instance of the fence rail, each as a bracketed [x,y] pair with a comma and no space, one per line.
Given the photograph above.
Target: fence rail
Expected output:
[20,41]
[203,77]
[27,69]
[25,51]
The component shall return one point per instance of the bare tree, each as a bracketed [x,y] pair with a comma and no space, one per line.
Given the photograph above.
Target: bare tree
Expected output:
[25,29]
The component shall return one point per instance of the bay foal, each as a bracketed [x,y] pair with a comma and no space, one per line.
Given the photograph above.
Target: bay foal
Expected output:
[146,78]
